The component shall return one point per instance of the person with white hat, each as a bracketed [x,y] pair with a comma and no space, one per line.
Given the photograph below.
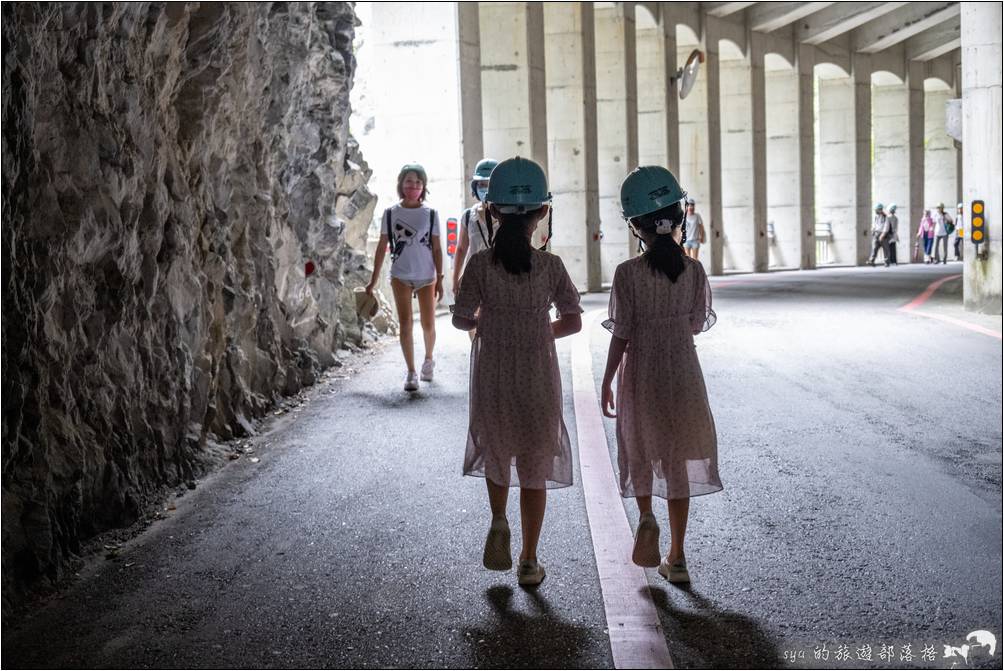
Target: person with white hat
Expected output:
[943,227]
[695,231]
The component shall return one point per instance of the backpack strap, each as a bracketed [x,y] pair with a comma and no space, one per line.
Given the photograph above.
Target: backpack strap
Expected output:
[481,232]
[390,234]
[432,225]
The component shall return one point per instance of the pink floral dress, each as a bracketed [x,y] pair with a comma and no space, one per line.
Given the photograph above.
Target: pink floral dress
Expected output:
[666,440]
[516,436]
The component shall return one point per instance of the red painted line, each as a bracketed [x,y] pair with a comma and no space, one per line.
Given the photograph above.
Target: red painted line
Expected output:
[912,306]
[637,640]
[957,322]
[927,293]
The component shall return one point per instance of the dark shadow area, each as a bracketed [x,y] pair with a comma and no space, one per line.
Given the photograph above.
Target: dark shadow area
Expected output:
[397,398]
[520,640]
[708,637]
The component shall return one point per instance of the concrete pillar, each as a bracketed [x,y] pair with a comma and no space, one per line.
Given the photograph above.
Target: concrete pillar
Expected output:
[862,75]
[758,105]
[513,87]
[909,218]
[894,166]
[693,137]
[835,167]
[784,247]
[617,126]
[940,155]
[405,38]
[713,220]
[569,36]
[672,98]
[804,66]
[981,142]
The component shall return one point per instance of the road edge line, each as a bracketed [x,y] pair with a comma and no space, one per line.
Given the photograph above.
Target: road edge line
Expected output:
[637,640]
[911,308]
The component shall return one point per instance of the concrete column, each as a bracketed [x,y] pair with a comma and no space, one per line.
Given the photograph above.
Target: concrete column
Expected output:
[571,131]
[758,105]
[940,156]
[909,219]
[892,130]
[981,139]
[835,163]
[617,126]
[672,89]
[862,75]
[714,220]
[784,248]
[693,136]
[513,87]
[806,191]
[406,38]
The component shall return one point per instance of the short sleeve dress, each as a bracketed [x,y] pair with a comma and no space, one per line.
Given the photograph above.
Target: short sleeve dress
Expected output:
[667,445]
[517,435]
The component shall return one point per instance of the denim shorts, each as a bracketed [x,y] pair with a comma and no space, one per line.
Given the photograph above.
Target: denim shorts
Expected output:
[691,244]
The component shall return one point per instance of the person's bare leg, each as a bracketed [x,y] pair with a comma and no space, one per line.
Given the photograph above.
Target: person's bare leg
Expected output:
[678,510]
[532,503]
[498,497]
[697,252]
[644,504]
[402,300]
[427,311]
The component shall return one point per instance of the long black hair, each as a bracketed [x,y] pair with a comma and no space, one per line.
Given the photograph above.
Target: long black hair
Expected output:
[664,255]
[510,244]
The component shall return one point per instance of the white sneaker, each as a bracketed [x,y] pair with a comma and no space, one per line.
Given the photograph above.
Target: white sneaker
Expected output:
[411,382]
[427,367]
[646,542]
[498,556]
[675,572]
[530,573]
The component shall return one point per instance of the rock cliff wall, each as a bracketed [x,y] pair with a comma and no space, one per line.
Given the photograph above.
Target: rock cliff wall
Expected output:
[178,187]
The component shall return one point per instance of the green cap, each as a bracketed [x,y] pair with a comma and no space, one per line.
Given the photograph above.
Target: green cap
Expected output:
[517,185]
[647,189]
[483,169]
[415,168]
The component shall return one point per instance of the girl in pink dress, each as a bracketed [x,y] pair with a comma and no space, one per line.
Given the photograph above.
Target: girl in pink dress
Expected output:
[666,440]
[516,436]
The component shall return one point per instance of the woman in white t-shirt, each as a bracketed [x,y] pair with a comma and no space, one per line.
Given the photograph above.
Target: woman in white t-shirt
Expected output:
[695,231]
[411,229]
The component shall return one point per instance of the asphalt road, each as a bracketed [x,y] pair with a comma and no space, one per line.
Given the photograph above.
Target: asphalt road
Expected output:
[859,446]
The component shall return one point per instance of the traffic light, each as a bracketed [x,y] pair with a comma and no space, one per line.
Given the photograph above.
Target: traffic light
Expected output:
[451,236]
[977,223]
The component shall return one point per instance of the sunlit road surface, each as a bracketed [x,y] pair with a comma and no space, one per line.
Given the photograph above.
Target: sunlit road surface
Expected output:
[859,445]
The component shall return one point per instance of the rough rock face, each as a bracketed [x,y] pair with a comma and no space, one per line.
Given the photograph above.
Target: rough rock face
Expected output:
[170,173]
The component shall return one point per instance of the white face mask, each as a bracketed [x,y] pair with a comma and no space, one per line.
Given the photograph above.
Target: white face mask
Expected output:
[482,191]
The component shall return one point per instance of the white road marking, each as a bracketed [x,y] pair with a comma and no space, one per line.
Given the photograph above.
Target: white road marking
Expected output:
[637,640]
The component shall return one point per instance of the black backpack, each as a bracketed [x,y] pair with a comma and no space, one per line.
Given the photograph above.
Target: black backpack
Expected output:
[397,246]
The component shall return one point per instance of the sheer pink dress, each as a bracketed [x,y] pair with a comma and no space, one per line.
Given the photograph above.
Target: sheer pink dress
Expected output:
[516,436]
[666,440]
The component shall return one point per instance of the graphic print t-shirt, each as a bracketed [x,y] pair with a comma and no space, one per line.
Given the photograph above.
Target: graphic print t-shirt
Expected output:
[411,233]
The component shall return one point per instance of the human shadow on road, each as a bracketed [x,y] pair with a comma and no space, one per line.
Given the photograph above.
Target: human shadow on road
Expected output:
[521,640]
[404,399]
[706,636]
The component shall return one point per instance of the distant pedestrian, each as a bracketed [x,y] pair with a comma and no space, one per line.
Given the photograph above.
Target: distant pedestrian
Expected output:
[474,233]
[925,235]
[879,234]
[892,233]
[517,436]
[666,440]
[959,233]
[411,230]
[943,227]
[696,234]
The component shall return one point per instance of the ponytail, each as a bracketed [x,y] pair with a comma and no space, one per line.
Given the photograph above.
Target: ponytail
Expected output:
[510,243]
[664,255]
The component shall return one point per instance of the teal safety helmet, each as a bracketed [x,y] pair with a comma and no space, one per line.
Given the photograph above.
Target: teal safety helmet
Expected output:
[415,168]
[879,206]
[483,169]
[892,208]
[517,185]
[647,189]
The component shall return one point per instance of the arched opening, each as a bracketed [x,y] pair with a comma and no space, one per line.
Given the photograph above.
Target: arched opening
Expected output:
[941,173]
[783,206]
[693,128]
[739,246]
[652,82]
[891,150]
[836,222]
